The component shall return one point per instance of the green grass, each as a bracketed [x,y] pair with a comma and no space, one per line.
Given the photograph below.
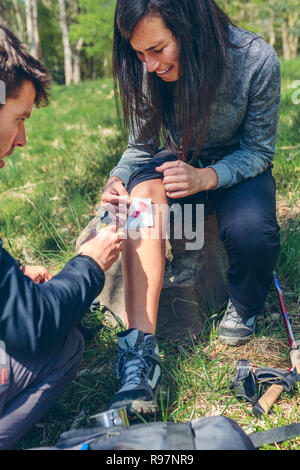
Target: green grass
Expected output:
[287,161]
[49,191]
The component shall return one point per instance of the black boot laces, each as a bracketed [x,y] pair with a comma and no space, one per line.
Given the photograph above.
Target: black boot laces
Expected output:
[131,365]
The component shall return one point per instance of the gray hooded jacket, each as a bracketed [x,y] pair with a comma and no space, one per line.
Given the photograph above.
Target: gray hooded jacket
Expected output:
[241,137]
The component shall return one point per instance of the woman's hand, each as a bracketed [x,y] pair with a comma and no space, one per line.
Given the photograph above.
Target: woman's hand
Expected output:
[37,274]
[115,198]
[182,180]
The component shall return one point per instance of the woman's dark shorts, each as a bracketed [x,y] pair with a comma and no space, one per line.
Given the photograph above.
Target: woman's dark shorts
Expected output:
[147,172]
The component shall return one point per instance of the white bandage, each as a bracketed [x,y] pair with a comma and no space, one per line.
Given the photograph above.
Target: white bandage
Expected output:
[140,214]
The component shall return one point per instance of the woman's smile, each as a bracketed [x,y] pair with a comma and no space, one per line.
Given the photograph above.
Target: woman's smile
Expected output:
[163,72]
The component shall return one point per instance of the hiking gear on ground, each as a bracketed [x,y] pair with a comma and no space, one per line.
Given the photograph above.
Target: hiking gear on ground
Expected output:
[251,383]
[112,417]
[265,403]
[211,433]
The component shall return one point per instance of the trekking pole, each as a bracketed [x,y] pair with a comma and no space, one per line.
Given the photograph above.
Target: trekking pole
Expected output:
[266,401]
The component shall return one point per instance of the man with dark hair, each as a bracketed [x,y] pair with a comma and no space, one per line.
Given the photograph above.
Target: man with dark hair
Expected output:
[16,66]
[40,344]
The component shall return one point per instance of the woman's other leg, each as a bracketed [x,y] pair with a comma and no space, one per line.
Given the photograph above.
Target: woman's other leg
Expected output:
[249,229]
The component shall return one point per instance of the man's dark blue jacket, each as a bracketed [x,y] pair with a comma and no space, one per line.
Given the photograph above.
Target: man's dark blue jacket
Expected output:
[34,317]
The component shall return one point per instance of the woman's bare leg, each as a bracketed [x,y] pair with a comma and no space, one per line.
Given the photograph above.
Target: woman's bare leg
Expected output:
[144,264]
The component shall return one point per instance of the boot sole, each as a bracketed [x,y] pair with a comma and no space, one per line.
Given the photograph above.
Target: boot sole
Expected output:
[140,406]
[145,407]
[234,341]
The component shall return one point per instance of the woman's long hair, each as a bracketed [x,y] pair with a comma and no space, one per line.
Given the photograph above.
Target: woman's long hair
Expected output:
[201,29]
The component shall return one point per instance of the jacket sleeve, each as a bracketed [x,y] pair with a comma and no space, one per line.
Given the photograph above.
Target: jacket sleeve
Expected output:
[33,317]
[258,140]
[138,152]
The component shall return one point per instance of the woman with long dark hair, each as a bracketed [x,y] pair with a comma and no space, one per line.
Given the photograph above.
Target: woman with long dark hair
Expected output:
[201,99]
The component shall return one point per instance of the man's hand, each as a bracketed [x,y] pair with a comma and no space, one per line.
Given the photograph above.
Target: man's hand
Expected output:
[104,247]
[182,180]
[37,274]
[116,199]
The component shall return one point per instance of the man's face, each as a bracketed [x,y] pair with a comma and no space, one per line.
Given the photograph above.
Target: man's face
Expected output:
[12,120]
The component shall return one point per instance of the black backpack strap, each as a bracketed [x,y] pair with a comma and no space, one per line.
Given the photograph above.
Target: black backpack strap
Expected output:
[280,434]
[251,383]
[180,436]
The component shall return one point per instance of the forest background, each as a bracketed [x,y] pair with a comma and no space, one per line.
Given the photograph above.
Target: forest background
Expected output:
[74,37]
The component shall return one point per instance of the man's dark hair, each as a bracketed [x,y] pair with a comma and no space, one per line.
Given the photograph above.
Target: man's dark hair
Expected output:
[201,29]
[17,65]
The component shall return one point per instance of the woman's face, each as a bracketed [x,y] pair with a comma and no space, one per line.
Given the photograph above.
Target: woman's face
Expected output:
[155,45]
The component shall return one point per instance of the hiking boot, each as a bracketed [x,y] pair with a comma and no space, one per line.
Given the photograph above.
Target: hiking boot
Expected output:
[233,330]
[138,366]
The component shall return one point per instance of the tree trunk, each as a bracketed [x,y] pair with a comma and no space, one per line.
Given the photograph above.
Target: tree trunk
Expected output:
[29,25]
[294,46]
[19,19]
[66,42]
[33,28]
[271,29]
[292,37]
[36,34]
[285,41]
[76,63]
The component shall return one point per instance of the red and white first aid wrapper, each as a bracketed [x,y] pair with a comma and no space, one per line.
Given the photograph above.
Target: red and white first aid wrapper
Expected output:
[140,214]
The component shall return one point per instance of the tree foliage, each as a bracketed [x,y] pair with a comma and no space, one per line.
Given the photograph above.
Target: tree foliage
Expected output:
[94,24]
[90,28]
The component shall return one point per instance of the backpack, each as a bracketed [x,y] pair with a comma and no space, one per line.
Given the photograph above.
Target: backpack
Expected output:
[211,433]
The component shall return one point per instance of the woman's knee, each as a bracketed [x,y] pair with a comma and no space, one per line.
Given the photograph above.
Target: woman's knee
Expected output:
[252,237]
[153,189]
